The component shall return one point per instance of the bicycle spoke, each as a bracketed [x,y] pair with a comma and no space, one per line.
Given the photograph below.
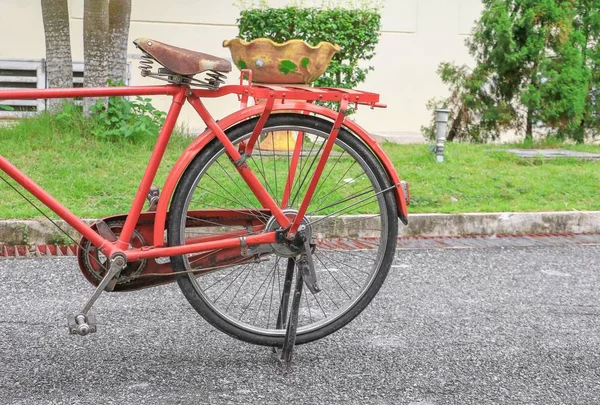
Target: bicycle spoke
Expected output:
[261,218]
[335,187]
[206,254]
[209,223]
[229,192]
[254,296]
[236,184]
[271,298]
[344,263]
[363,218]
[348,207]
[263,171]
[308,307]
[238,290]
[292,166]
[303,163]
[345,199]
[325,293]
[288,164]
[332,276]
[312,164]
[321,306]
[271,276]
[324,179]
[275,196]
[221,279]
[247,301]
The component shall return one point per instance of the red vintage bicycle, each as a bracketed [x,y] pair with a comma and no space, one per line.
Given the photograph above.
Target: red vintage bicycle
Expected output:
[239,215]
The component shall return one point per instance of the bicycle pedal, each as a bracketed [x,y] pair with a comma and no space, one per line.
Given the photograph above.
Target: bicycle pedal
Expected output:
[81,324]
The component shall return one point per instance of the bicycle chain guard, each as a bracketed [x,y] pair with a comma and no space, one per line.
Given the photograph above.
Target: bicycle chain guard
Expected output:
[154,272]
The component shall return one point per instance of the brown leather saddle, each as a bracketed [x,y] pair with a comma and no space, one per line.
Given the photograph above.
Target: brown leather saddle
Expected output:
[182,61]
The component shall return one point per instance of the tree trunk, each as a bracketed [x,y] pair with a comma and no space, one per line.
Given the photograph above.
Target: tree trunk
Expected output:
[456,123]
[118,26]
[95,46]
[529,125]
[530,109]
[59,63]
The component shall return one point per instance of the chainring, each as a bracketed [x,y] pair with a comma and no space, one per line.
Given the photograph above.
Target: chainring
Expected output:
[94,264]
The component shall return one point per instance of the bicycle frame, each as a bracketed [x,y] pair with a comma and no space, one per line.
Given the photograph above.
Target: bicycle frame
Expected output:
[181,94]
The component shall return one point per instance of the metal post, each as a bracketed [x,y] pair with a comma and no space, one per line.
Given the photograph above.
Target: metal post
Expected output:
[441,124]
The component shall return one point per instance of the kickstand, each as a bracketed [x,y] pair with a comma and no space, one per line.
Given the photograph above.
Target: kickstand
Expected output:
[285,296]
[287,351]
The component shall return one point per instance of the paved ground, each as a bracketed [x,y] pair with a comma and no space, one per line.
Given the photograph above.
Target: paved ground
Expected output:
[553,153]
[450,326]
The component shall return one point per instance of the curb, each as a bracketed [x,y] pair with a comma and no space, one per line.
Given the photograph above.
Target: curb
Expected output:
[400,137]
[501,223]
[42,232]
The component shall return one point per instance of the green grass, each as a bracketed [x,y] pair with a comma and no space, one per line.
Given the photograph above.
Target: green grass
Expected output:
[96,178]
[91,177]
[484,178]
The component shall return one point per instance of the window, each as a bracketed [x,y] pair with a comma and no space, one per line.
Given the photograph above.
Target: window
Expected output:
[30,74]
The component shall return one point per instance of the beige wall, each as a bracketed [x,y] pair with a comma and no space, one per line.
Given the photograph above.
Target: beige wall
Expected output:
[416,36]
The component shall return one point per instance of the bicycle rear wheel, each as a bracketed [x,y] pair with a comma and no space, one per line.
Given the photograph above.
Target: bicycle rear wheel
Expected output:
[352,221]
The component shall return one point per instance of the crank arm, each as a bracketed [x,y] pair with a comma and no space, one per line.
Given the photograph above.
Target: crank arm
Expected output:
[116,265]
[82,323]
[107,233]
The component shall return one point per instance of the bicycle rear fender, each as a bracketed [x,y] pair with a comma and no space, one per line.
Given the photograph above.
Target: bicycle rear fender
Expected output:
[239,116]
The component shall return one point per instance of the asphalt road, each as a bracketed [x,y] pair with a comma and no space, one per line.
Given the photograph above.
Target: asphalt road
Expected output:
[450,326]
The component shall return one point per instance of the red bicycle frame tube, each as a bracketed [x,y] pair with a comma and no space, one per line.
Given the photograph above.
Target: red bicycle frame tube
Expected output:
[255,185]
[335,130]
[179,94]
[251,240]
[260,124]
[292,170]
[239,116]
[151,169]
[168,90]
[54,205]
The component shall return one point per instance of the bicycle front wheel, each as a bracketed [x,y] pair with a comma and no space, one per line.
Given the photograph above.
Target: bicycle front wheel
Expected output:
[351,221]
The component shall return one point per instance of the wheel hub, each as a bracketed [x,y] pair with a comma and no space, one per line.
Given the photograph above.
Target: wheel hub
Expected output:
[287,248]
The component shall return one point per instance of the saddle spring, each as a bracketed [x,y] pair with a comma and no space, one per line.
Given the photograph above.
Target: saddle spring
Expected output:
[146,64]
[212,80]
[215,78]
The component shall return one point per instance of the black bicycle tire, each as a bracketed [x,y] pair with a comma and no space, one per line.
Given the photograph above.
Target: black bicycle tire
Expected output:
[178,206]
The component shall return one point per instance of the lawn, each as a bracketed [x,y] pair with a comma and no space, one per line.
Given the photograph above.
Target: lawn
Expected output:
[96,178]
[485,178]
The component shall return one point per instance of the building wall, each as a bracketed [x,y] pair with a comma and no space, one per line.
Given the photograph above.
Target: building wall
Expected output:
[416,36]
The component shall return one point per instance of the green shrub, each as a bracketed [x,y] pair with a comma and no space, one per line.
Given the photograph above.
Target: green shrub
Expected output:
[356,31]
[126,119]
[536,71]
[123,119]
